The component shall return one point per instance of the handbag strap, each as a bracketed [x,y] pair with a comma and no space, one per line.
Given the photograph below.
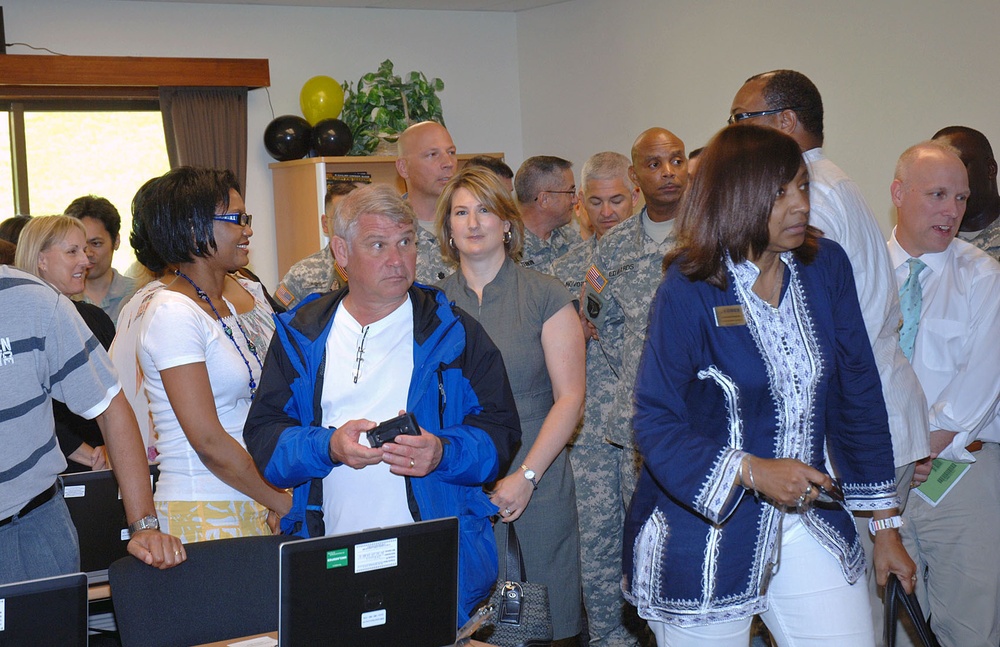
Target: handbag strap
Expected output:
[513,565]
[896,596]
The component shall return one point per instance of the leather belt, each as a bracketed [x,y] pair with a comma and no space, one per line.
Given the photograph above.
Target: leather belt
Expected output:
[974,446]
[39,500]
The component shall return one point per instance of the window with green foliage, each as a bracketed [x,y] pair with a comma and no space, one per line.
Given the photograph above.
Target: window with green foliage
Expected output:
[70,150]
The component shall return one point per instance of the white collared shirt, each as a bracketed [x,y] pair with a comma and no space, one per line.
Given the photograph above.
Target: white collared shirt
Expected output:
[839,209]
[956,354]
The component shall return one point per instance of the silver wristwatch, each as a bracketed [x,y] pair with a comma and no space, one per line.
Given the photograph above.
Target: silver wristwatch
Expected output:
[149,522]
[530,475]
[885,524]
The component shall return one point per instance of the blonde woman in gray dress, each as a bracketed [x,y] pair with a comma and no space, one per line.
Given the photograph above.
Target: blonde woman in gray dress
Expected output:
[531,318]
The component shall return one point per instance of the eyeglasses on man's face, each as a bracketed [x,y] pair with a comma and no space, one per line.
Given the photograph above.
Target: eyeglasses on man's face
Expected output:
[737,117]
[241,219]
[570,192]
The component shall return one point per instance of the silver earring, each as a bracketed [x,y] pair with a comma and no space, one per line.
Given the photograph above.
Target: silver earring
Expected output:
[451,243]
[506,237]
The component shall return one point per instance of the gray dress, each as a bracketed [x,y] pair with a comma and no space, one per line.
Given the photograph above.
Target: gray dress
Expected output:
[515,305]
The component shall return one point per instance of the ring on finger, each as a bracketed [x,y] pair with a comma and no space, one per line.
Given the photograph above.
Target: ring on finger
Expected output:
[808,491]
[411,462]
[506,512]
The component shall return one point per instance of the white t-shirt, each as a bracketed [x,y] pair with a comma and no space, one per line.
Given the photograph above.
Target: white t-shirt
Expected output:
[175,331]
[371,497]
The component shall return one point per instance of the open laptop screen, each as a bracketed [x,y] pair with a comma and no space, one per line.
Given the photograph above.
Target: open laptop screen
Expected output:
[389,586]
[50,611]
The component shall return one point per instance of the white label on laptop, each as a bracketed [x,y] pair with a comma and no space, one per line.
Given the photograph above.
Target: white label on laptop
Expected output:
[373,618]
[376,555]
[74,491]
[262,641]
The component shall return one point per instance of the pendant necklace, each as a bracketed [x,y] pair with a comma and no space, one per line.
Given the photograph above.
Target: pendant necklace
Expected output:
[229,331]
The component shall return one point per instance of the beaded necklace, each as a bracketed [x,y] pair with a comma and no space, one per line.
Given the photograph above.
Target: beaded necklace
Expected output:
[229,331]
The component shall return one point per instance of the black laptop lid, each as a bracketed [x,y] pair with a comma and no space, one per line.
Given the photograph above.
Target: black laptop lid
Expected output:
[98,513]
[390,586]
[40,613]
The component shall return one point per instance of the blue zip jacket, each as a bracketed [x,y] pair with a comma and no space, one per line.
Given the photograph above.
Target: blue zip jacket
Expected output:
[458,392]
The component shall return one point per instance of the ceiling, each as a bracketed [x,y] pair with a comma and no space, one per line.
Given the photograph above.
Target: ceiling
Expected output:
[447,5]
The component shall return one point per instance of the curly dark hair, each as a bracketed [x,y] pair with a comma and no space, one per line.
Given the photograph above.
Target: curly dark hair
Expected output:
[791,89]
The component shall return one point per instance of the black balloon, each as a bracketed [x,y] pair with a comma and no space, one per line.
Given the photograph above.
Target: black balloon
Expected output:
[331,137]
[287,138]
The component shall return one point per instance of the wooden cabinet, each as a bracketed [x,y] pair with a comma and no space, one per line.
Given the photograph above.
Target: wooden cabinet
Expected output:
[299,189]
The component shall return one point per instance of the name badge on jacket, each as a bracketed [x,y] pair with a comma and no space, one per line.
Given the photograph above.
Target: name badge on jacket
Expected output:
[726,316]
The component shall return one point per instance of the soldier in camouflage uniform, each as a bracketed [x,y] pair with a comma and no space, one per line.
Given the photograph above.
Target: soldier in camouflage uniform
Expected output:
[631,257]
[318,272]
[546,193]
[981,224]
[427,160]
[609,197]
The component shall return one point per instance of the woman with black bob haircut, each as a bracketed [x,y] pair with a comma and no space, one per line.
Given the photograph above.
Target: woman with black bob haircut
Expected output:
[201,347]
[757,359]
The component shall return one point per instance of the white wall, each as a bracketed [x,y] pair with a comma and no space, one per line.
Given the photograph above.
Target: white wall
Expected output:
[473,52]
[582,76]
[594,73]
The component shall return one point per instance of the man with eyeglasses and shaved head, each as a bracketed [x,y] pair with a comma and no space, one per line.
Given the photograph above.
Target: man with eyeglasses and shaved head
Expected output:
[788,101]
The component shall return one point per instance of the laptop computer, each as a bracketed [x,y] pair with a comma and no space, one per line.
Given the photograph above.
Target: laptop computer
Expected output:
[95,504]
[50,611]
[389,586]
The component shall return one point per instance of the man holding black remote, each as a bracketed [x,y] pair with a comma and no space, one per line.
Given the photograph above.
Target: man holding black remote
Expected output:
[379,347]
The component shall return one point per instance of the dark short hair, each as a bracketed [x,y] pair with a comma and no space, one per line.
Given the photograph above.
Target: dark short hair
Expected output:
[92,206]
[173,215]
[494,164]
[7,249]
[335,188]
[791,89]
[728,205]
[10,229]
[535,174]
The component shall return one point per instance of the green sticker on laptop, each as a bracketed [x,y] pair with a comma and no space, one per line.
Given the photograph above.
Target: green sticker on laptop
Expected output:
[336,558]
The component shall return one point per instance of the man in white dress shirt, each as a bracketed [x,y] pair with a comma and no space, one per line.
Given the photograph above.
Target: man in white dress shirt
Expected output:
[788,101]
[956,358]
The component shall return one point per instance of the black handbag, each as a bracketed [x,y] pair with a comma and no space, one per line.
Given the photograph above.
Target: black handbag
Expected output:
[522,617]
[896,596]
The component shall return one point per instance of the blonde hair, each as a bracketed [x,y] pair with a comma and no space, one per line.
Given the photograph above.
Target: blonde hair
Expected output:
[486,187]
[39,235]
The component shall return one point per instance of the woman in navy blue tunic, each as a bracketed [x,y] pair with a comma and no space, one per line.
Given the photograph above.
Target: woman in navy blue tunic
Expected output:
[756,365]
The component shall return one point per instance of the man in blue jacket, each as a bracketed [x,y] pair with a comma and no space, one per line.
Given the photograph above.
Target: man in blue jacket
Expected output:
[340,362]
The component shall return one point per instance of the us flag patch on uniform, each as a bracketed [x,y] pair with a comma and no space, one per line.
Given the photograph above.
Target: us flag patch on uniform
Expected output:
[283,295]
[596,279]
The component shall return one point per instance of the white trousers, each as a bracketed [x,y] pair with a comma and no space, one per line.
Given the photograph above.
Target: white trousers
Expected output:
[810,604]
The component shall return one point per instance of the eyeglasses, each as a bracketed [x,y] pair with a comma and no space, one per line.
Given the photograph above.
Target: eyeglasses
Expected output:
[740,116]
[571,191]
[241,219]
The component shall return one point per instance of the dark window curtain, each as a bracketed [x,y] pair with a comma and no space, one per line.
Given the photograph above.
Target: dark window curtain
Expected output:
[206,127]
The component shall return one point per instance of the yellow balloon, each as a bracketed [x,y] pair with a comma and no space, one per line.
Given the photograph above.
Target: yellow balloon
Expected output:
[321,98]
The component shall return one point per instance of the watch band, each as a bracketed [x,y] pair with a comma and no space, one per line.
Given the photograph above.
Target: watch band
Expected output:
[874,525]
[149,522]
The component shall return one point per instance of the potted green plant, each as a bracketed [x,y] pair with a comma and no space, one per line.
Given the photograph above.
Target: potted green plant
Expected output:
[384,105]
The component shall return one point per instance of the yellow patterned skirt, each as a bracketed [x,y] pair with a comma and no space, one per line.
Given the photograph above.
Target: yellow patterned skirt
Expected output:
[193,521]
